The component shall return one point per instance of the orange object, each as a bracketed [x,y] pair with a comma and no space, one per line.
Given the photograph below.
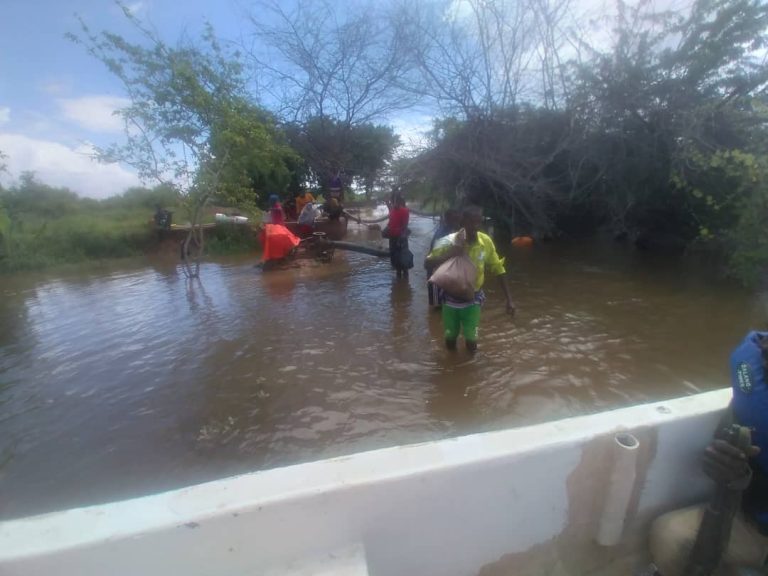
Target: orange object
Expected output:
[522,241]
[277,241]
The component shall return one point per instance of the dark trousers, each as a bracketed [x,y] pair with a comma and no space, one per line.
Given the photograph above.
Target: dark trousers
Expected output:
[398,249]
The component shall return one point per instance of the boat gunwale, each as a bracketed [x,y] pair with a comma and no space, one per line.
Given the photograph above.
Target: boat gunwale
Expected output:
[53,532]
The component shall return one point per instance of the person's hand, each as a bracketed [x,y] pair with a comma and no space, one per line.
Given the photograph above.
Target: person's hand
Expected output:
[511,308]
[727,465]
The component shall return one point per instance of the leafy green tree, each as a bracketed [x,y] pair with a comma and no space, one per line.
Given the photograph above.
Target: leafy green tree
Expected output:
[191,124]
[335,73]
[32,196]
[329,147]
[147,198]
[373,147]
[672,119]
[31,201]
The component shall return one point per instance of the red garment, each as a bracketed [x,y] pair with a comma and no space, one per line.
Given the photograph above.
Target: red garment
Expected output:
[398,221]
[277,241]
[278,216]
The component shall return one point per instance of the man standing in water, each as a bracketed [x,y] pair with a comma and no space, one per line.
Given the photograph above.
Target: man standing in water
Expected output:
[462,314]
[399,217]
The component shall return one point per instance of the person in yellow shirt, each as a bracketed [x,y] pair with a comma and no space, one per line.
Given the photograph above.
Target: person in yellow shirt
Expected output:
[464,315]
[302,200]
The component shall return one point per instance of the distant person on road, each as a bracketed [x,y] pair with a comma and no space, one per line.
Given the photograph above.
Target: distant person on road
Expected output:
[277,216]
[334,202]
[449,223]
[399,253]
[307,218]
[464,315]
[302,200]
[162,218]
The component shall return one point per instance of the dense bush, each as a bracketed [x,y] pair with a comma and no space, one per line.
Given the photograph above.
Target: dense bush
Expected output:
[660,141]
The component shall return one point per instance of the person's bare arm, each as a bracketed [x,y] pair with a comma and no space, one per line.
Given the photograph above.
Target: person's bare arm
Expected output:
[352,217]
[505,288]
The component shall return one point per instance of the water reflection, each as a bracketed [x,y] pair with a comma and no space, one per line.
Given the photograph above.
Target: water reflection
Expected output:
[401,298]
[453,398]
[134,380]
[197,298]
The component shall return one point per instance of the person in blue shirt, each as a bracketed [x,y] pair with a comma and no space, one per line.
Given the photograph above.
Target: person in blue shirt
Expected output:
[739,473]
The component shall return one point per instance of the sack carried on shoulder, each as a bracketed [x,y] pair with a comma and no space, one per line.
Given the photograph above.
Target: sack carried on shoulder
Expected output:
[456,277]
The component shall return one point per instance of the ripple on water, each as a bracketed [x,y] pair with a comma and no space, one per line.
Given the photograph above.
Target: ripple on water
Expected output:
[141,380]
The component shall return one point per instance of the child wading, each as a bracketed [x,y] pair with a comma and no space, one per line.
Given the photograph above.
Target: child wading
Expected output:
[461,315]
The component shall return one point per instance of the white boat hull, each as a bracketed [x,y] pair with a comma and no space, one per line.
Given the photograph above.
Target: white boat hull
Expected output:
[484,502]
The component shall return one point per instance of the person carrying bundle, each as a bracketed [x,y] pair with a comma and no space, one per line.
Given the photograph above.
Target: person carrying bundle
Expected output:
[460,261]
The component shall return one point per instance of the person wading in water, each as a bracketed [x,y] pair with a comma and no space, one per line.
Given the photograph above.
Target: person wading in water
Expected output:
[464,315]
[399,253]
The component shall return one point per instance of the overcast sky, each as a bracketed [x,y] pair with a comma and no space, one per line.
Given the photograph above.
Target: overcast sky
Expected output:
[56,101]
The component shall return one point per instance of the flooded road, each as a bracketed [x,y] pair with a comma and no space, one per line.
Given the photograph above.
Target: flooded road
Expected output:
[134,380]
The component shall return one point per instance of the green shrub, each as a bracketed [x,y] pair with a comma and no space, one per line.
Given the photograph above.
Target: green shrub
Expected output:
[230,239]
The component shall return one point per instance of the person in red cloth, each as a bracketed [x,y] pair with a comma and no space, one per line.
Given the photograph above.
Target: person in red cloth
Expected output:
[278,242]
[399,254]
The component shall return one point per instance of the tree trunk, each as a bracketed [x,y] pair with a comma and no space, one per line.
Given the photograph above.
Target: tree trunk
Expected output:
[192,248]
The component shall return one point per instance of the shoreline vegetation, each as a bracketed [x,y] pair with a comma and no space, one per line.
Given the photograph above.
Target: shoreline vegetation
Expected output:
[656,139]
[43,228]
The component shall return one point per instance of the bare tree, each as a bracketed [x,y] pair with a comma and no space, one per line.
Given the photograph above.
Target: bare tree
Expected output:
[495,66]
[318,61]
[480,56]
[330,71]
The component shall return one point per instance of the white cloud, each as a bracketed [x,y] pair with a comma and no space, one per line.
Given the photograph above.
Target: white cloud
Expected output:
[59,165]
[412,129]
[5,115]
[135,7]
[55,87]
[95,113]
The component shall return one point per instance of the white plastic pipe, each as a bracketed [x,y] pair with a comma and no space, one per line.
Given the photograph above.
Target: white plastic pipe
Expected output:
[621,483]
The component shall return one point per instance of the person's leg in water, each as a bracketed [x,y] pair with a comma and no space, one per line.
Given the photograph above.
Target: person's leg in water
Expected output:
[397,248]
[394,255]
[404,250]
[451,325]
[470,323]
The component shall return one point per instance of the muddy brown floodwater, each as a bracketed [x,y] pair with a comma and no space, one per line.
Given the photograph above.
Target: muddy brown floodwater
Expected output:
[133,380]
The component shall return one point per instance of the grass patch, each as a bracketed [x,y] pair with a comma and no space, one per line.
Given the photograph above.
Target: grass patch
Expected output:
[43,227]
[230,239]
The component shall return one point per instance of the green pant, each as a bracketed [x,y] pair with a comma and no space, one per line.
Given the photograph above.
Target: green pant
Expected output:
[467,318]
